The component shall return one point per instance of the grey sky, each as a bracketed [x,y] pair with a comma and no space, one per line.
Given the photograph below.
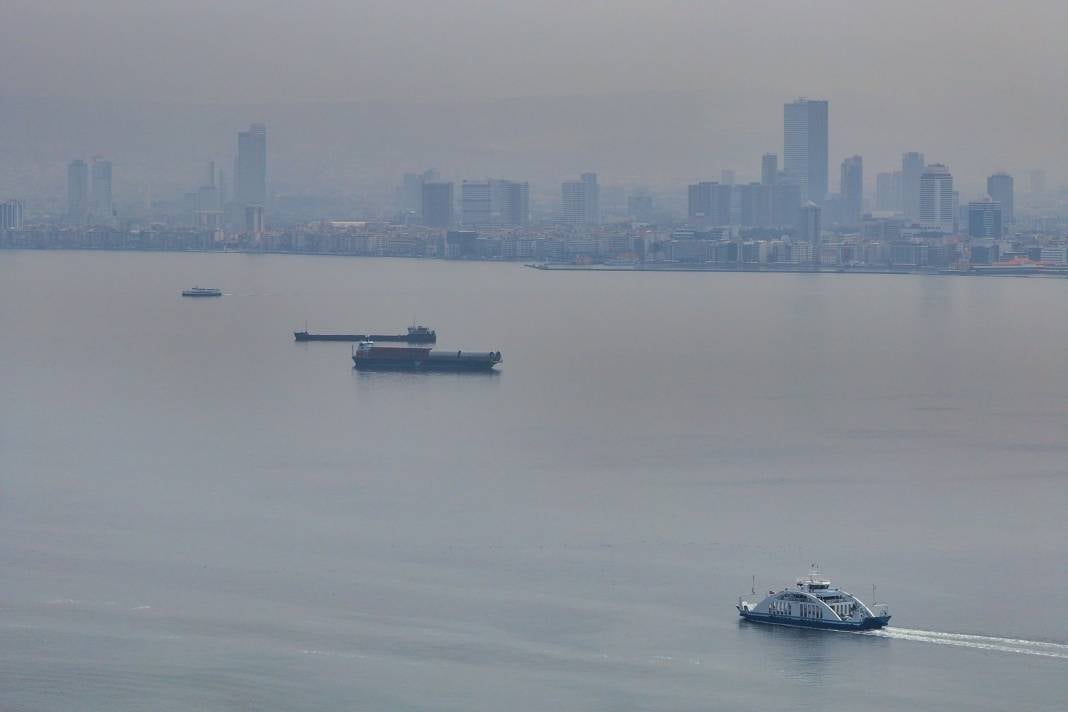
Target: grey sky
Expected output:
[938,76]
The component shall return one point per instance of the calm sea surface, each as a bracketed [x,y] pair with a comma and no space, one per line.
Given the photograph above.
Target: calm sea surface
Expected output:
[198,513]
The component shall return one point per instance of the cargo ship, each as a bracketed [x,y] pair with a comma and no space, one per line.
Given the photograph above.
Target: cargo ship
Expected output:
[369,357]
[202,292]
[415,335]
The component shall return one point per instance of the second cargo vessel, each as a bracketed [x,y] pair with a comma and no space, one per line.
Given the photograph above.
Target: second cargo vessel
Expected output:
[369,357]
[415,335]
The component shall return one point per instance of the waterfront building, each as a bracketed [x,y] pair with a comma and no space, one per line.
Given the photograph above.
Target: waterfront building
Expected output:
[912,166]
[808,228]
[936,199]
[581,201]
[437,204]
[1000,189]
[250,166]
[709,203]
[254,220]
[805,138]
[78,191]
[985,218]
[11,215]
[102,210]
[851,191]
[785,202]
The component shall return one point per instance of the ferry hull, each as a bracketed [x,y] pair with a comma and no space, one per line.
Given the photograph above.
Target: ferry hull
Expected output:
[871,623]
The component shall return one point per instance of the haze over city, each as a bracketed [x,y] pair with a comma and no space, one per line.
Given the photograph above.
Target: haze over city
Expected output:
[462,356]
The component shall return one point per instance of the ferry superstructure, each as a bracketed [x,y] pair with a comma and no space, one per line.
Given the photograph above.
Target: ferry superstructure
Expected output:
[814,603]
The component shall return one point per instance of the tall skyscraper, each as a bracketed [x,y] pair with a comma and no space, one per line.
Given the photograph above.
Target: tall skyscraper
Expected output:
[77,191]
[912,166]
[476,203]
[437,207]
[581,201]
[494,202]
[936,198]
[1000,189]
[769,168]
[513,202]
[805,136]
[250,166]
[102,208]
[11,215]
[985,219]
[852,190]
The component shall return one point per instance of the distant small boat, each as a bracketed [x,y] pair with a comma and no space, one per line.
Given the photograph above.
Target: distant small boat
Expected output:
[202,292]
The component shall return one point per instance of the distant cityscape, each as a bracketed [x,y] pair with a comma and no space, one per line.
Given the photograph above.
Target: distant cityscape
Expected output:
[915,220]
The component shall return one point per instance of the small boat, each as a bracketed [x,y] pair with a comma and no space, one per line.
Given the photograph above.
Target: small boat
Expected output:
[202,292]
[415,335]
[814,603]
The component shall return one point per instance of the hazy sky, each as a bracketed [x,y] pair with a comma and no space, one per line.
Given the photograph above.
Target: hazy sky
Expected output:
[981,85]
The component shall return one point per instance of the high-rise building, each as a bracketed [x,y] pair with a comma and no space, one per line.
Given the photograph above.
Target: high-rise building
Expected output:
[494,203]
[102,209]
[769,168]
[77,191]
[912,166]
[709,203]
[11,215]
[250,166]
[254,220]
[754,205]
[1000,189]
[805,136]
[985,219]
[808,227]
[437,204]
[410,193]
[581,201]
[888,192]
[936,198]
[852,191]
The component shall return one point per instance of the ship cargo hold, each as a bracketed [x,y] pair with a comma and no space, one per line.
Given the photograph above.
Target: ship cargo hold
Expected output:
[369,357]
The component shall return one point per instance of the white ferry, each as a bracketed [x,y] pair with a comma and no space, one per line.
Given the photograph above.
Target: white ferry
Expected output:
[814,603]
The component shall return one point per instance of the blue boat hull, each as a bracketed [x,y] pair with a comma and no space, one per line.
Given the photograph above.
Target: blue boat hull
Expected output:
[866,624]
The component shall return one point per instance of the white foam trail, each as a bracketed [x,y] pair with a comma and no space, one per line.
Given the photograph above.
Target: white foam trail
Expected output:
[978,642]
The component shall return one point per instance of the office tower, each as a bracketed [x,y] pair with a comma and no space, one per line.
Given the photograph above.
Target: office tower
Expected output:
[911,169]
[936,198]
[436,209]
[254,220]
[808,228]
[1038,181]
[754,204]
[223,196]
[785,202]
[410,193]
[985,218]
[769,168]
[512,202]
[250,166]
[851,191]
[476,203]
[888,192]
[726,176]
[11,215]
[77,191]
[102,207]
[1000,189]
[709,203]
[805,147]
[581,201]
